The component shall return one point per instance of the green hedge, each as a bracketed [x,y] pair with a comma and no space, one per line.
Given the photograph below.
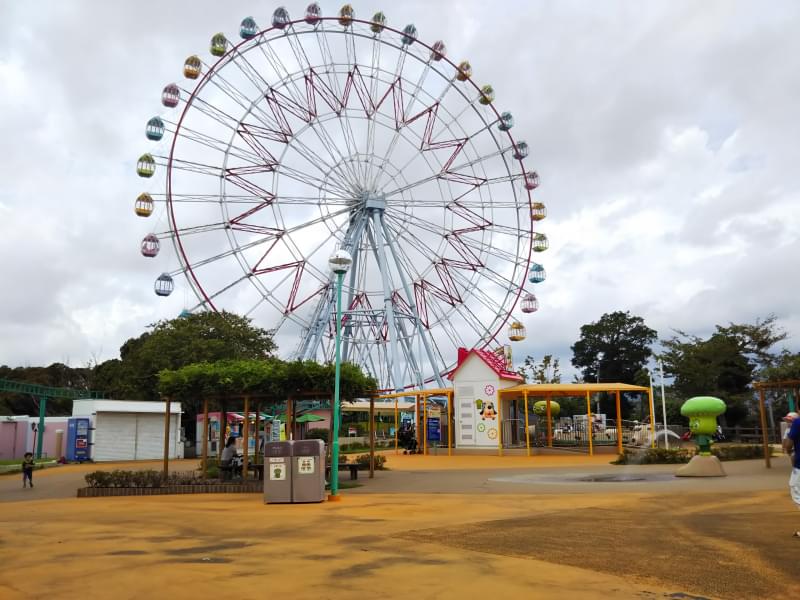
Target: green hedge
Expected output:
[662,456]
[363,461]
[138,479]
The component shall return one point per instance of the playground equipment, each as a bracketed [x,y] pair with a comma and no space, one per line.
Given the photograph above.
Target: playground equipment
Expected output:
[702,412]
[321,133]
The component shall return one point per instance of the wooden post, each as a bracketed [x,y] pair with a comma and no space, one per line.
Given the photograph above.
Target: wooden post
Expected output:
[589,427]
[527,431]
[396,451]
[548,400]
[289,418]
[258,432]
[619,424]
[371,437]
[246,437]
[450,423]
[205,437]
[767,452]
[165,474]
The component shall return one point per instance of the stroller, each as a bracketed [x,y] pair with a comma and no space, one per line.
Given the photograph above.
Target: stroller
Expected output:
[407,440]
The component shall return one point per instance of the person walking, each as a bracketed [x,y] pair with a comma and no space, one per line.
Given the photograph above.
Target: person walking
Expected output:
[27,469]
[791,445]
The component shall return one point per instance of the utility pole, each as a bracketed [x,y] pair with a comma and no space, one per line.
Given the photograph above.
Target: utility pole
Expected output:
[663,403]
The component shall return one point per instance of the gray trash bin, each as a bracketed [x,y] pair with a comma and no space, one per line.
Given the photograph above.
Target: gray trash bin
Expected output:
[308,471]
[277,472]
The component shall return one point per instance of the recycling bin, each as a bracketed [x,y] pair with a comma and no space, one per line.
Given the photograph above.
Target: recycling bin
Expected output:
[308,471]
[277,472]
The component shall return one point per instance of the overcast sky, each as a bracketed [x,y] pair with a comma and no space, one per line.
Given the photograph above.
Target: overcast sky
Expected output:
[665,133]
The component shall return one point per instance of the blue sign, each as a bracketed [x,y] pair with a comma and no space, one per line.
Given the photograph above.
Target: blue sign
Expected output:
[434,433]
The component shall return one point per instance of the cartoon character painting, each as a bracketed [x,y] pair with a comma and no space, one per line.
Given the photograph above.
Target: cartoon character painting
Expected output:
[488,411]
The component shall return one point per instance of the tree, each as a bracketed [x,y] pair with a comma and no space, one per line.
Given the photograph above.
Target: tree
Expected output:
[614,348]
[546,371]
[726,363]
[196,338]
[712,367]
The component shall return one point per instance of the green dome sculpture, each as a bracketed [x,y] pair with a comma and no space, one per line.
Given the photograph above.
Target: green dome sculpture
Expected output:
[540,408]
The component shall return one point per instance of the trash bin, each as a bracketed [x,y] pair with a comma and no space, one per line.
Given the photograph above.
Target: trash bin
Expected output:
[277,472]
[308,471]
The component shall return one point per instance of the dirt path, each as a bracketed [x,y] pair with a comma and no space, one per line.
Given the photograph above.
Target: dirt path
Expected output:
[444,532]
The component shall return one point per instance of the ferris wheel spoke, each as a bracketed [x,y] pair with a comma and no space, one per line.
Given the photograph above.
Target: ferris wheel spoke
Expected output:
[238,250]
[187,231]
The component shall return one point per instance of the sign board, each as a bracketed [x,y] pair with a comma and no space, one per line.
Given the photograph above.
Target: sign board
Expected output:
[434,432]
[275,431]
[277,468]
[305,465]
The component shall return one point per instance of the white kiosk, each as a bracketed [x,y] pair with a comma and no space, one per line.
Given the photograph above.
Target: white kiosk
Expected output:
[476,379]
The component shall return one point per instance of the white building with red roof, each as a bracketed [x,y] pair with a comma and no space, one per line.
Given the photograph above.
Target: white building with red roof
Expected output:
[476,378]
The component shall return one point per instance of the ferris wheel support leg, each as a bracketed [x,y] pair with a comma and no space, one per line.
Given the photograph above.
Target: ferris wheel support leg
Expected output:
[352,243]
[413,304]
[394,362]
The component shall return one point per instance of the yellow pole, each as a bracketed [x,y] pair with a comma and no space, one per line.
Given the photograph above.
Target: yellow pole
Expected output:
[549,424]
[527,431]
[619,424]
[246,437]
[589,421]
[449,423]
[767,450]
[424,425]
[395,427]
[652,421]
[499,425]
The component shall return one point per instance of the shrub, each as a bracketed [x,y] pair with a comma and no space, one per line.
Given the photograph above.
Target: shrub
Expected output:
[739,452]
[653,456]
[317,434]
[98,479]
[363,461]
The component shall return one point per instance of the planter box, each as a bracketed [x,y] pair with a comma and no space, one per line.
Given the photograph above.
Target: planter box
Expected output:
[249,487]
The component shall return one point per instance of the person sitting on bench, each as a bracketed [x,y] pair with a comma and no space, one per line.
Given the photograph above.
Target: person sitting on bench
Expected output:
[227,460]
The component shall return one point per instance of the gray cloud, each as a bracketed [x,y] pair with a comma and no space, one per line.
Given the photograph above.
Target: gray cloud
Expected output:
[665,135]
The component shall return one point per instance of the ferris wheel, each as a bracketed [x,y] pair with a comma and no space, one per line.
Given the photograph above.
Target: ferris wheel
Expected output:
[325,133]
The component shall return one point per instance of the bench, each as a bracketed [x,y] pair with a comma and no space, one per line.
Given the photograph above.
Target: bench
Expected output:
[343,467]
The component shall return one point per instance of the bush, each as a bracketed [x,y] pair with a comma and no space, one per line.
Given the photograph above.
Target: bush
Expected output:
[137,479]
[653,456]
[739,452]
[363,461]
[317,434]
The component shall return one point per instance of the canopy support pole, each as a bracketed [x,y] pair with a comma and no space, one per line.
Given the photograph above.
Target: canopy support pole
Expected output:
[619,423]
[589,428]
[527,431]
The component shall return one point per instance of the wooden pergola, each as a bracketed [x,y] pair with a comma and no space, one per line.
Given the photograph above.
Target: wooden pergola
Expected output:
[245,428]
[793,385]
[548,391]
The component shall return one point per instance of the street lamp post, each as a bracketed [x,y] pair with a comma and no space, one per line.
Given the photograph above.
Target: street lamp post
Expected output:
[339,263]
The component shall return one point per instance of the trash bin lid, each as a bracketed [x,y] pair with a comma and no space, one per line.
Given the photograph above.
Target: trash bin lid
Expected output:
[278,449]
[307,448]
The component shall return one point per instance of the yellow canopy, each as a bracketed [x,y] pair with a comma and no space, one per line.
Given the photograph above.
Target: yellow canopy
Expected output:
[568,389]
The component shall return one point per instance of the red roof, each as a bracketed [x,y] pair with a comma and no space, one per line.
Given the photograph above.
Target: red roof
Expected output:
[495,362]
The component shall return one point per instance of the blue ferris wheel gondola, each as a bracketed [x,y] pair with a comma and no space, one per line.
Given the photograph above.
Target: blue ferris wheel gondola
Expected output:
[537,274]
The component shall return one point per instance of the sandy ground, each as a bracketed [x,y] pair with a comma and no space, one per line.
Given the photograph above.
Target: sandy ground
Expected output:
[443,527]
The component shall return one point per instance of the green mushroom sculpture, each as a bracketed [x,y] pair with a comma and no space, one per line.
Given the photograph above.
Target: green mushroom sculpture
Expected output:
[702,412]
[540,408]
